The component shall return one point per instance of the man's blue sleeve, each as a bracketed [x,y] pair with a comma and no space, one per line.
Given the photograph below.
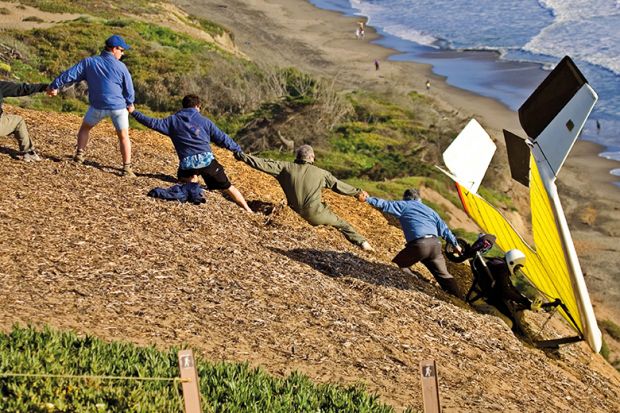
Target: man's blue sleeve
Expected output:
[220,138]
[128,91]
[160,125]
[75,73]
[444,232]
[391,207]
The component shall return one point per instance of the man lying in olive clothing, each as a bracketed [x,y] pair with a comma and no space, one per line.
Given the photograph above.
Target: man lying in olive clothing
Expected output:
[302,183]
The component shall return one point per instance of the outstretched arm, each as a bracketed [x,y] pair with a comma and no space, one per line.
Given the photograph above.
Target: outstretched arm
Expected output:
[340,187]
[159,125]
[264,165]
[220,138]
[391,207]
[74,74]
[21,89]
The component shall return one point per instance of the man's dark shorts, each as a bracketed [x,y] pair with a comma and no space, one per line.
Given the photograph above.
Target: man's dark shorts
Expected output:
[213,175]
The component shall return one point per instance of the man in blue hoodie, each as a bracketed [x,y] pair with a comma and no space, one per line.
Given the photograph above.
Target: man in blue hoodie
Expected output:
[191,134]
[110,92]
[422,228]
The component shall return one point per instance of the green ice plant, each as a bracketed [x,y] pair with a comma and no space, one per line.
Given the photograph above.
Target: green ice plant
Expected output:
[225,387]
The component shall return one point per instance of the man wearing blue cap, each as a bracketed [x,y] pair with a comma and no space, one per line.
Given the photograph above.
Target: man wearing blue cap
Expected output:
[110,92]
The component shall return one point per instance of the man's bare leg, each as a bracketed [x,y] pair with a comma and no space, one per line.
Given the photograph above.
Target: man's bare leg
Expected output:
[125,145]
[82,140]
[238,198]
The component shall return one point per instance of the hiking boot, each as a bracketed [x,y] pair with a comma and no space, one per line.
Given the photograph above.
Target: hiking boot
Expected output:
[79,156]
[127,171]
[31,156]
[366,246]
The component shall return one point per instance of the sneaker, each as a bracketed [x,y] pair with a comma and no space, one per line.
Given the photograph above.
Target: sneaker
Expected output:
[128,172]
[31,156]
[79,156]
[366,246]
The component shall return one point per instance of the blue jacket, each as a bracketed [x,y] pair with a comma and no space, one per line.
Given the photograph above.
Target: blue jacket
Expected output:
[190,132]
[109,83]
[416,219]
[189,192]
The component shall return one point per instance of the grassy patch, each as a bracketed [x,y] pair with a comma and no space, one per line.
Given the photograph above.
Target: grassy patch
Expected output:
[496,198]
[165,65]
[611,328]
[223,386]
[383,140]
[104,8]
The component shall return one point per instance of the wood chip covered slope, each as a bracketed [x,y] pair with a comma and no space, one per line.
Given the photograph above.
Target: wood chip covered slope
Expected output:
[85,249]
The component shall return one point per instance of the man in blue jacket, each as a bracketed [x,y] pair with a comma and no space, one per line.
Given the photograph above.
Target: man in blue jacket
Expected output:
[191,134]
[110,92]
[422,228]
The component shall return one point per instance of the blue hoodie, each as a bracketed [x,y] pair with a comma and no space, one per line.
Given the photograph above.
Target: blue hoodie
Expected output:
[109,83]
[190,132]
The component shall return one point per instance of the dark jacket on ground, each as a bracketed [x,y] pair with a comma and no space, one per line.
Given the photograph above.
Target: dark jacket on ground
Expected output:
[12,89]
[189,192]
[190,132]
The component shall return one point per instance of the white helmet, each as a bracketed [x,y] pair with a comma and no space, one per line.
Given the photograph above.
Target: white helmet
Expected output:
[514,259]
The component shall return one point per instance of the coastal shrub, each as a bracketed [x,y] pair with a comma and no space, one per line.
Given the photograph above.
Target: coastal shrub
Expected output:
[302,110]
[223,386]
[605,351]
[34,19]
[165,64]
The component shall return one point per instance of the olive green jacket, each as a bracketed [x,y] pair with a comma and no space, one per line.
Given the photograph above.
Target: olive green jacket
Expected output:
[301,182]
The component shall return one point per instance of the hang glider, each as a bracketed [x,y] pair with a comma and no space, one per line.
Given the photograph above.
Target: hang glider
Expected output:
[553,116]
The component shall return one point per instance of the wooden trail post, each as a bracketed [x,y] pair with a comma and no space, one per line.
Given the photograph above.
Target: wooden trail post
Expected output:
[189,381]
[430,388]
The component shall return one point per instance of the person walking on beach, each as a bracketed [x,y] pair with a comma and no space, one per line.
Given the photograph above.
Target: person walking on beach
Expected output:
[302,183]
[192,134]
[110,92]
[422,228]
[428,84]
[376,64]
[15,124]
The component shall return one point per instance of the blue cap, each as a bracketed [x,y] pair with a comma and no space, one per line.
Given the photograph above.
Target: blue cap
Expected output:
[116,41]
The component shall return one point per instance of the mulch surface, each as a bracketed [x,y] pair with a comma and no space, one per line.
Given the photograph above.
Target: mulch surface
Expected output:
[85,249]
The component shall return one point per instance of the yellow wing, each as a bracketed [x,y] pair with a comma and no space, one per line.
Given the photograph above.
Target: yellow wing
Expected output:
[546,265]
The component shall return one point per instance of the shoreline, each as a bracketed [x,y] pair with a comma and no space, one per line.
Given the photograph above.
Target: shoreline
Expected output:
[482,72]
[586,152]
[323,43]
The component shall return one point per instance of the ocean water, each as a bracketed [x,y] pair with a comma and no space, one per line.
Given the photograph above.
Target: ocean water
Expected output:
[529,36]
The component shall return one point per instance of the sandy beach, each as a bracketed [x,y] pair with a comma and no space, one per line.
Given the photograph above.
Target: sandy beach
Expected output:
[295,33]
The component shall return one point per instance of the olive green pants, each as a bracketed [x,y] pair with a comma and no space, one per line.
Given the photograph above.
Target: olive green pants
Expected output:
[325,216]
[15,124]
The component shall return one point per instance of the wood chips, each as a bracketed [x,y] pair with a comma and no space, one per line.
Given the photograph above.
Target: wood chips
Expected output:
[85,249]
